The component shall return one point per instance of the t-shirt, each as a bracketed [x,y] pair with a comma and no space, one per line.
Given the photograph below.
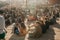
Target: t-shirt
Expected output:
[2,24]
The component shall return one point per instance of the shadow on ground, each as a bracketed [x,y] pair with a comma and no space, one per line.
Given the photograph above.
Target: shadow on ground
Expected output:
[57,25]
[49,35]
[15,37]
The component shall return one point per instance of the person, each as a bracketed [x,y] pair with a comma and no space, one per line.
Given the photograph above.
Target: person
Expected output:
[2,27]
[16,30]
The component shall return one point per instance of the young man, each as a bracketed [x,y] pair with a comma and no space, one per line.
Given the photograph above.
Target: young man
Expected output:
[2,27]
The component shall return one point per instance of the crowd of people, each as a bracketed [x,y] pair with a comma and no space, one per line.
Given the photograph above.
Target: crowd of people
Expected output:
[26,22]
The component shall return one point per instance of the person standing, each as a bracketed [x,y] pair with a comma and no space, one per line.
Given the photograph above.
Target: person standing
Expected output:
[2,27]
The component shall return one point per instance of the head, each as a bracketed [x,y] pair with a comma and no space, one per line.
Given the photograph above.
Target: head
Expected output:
[1,12]
[37,23]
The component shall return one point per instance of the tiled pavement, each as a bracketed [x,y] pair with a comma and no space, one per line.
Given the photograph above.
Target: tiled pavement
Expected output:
[52,34]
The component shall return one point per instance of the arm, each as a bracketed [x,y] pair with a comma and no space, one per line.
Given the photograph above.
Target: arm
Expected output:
[4,25]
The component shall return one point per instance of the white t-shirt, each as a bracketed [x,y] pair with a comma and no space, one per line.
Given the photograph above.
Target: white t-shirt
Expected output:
[2,24]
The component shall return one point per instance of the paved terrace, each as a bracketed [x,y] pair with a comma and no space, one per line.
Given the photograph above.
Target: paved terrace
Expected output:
[52,34]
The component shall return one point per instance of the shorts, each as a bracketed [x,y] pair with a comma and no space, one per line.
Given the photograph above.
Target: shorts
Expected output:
[2,36]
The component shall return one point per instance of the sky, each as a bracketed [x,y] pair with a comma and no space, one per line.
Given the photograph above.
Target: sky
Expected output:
[31,3]
[2,0]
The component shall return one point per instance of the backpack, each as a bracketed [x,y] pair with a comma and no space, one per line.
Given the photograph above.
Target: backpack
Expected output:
[16,31]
